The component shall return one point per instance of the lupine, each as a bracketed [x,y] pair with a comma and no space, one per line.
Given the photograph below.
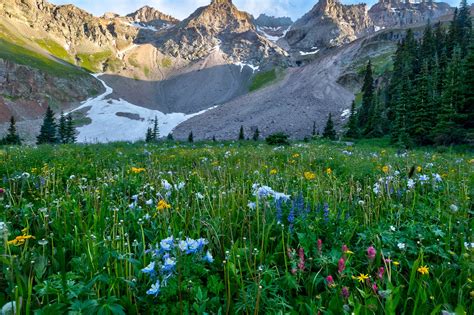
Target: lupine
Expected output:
[371,252]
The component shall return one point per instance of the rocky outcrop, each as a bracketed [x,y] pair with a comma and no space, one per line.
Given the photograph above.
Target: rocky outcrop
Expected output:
[152,17]
[222,26]
[397,13]
[329,23]
[272,27]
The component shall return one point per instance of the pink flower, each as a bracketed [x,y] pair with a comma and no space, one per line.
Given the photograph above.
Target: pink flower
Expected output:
[345,292]
[320,246]
[371,252]
[289,253]
[2,191]
[294,270]
[330,281]
[345,249]
[374,288]
[302,261]
[381,272]
[341,265]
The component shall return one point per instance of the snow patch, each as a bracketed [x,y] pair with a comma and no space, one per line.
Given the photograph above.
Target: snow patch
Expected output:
[272,38]
[243,65]
[110,122]
[312,52]
[143,26]
[346,113]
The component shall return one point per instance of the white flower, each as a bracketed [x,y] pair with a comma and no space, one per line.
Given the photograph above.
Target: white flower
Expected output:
[376,188]
[392,228]
[401,246]
[3,229]
[179,186]
[437,178]
[424,178]
[454,208]
[149,202]
[411,184]
[252,205]
[166,185]
[199,196]
[25,175]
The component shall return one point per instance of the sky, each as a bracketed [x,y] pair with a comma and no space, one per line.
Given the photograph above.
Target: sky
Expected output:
[183,8]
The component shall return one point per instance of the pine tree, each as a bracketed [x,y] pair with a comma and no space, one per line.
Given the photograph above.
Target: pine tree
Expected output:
[367,98]
[352,130]
[191,137]
[464,27]
[373,128]
[467,107]
[70,130]
[329,131]
[12,137]
[314,129]
[156,130]
[256,135]
[149,135]
[241,133]
[48,130]
[170,137]
[62,129]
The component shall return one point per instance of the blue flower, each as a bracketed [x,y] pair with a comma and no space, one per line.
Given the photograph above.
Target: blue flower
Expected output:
[168,263]
[326,212]
[167,244]
[208,257]
[201,243]
[193,246]
[183,246]
[155,289]
[150,269]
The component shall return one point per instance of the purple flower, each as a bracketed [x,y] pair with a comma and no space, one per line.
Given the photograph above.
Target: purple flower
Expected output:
[371,252]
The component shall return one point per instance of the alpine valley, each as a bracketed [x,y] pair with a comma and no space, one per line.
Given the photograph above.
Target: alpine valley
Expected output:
[211,73]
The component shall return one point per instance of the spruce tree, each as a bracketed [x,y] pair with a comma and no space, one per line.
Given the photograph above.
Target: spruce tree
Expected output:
[314,129]
[149,135]
[352,130]
[70,130]
[12,137]
[170,137]
[256,135]
[367,98]
[191,137]
[156,130]
[62,129]
[241,133]
[48,131]
[329,131]
[467,108]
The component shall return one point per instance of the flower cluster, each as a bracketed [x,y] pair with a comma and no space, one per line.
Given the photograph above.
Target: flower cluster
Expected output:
[165,257]
[20,240]
[263,192]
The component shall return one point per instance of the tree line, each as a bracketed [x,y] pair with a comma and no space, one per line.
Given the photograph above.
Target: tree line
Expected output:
[429,96]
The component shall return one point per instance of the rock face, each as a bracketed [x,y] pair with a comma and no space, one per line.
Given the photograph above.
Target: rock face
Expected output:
[219,25]
[151,16]
[272,27]
[396,13]
[329,23]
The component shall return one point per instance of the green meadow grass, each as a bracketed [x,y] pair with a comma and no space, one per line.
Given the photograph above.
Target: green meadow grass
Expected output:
[263,79]
[355,236]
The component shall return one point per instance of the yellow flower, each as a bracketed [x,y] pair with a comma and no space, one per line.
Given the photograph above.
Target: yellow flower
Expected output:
[273,172]
[162,205]
[386,169]
[424,270]
[362,277]
[296,155]
[329,171]
[471,161]
[292,161]
[20,240]
[419,169]
[137,170]
[309,175]
[396,263]
[472,294]
[215,163]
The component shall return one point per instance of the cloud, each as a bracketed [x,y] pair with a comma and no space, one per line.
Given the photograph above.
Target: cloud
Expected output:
[183,8]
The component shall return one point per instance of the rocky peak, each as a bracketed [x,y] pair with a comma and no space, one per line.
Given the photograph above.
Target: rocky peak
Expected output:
[151,15]
[271,21]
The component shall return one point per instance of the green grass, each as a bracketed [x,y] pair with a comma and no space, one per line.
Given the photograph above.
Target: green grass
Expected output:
[93,62]
[96,210]
[24,56]
[263,79]
[54,49]
[380,63]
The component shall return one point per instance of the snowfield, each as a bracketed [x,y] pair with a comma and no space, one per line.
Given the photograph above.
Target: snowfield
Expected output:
[119,120]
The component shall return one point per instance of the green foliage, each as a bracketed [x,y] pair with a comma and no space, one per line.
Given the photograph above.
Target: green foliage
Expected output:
[278,138]
[256,135]
[263,79]
[166,62]
[48,132]
[12,137]
[93,62]
[241,133]
[54,49]
[329,131]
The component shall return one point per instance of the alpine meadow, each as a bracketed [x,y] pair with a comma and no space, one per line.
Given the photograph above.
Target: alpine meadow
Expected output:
[236,162]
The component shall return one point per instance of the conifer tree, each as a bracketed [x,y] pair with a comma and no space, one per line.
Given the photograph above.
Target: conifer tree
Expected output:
[367,98]
[191,137]
[314,129]
[48,131]
[241,133]
[352,129]
[156,130]
[170,137]
[256,135]
[329,131]
[467,108]
[62,129]
[149,135]
[70,130]
[12,137]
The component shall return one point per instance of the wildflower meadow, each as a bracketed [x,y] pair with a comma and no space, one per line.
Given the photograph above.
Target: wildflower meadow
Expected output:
[235,228]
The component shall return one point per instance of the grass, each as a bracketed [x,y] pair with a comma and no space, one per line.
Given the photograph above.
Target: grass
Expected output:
[81,222]
[94,62]
[54,49]
[24,56]
[263,79]
[381,63]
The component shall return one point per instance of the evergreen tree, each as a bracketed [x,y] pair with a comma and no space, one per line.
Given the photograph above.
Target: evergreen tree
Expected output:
[463,23]
[352,130]
[329,131]
[367,98]
[256,135]
[12,137]
[314,129]
[149,135]
[62,129]
[467,107]
[191,137]
[156,130]
[170,137]
[48,130]
[241,133]
[214,139]
[70,130]
[373,128]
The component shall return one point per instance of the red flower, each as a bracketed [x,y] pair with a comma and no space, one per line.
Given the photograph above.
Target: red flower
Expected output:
[330,281]
[341,265]
[371,252]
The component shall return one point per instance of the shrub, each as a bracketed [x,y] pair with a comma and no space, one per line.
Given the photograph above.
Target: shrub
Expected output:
[278,138]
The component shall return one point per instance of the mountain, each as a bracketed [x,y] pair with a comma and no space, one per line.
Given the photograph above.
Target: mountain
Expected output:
[272,27]
[151,16]
[396,13]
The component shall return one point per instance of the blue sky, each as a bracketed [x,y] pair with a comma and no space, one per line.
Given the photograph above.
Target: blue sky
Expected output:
[182,8]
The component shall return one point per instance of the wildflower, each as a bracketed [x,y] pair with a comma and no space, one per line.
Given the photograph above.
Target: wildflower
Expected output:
[167,243]
[392,228]
[454,208]
[418,169]
[376,188]
[386,169]
[183,245]
[329,171]
[401,246]
[155,289]
[296,155]
[150,269]
[381,272]
[411,184]
[208,257]
[374,288]
[273,172]
[168,263]
[345,292]
[437,178]
[2,191]
[137,170]
[320,246]
[341,265]
[309,175]
[166,185]
[180,186]
[20,240]
[371,252]
[424,270]
[162,205]
[396,263]
[252,205]
[330,281]
[3,228]
[301,263]
[362,277]
[25,175]
[424,178]
[43,242]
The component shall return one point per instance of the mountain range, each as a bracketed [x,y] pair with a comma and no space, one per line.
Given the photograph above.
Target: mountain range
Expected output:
[210,73]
